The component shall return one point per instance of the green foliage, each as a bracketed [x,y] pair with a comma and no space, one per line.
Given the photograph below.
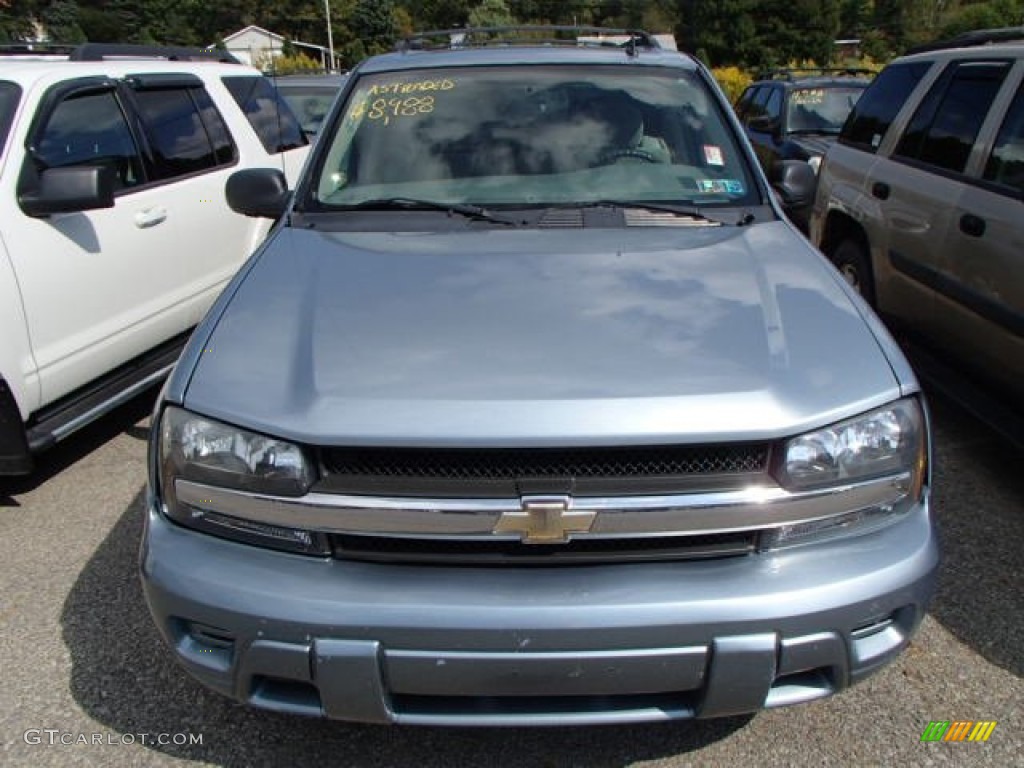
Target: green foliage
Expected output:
[61,20]
[726,31]
[293,64]
[373,24]
[1006,13]
[732,80]
[491,13]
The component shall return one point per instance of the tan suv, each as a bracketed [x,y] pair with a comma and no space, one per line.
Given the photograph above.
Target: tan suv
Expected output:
[919,204]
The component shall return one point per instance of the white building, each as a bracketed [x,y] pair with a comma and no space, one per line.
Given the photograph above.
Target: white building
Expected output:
[258,46]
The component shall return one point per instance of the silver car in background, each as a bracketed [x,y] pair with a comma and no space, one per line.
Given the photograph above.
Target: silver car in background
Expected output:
[534,409]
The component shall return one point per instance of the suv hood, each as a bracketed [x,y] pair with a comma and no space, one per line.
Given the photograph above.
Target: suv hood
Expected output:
[539,337]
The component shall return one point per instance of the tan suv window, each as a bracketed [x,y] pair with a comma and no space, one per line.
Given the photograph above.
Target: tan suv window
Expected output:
[1006,163]
[947,121]
[878,107]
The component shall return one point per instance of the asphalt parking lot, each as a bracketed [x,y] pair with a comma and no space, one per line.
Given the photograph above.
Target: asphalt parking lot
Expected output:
[82,662]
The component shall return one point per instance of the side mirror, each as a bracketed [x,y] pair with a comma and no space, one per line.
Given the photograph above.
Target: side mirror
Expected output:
[795,181]
[763,124]
[258,192]
[70,189]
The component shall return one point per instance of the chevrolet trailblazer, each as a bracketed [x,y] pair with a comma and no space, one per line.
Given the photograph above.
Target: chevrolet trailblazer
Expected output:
[534,409]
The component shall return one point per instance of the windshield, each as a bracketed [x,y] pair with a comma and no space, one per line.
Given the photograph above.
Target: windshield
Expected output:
[532,136]
[820,110]
[9,93]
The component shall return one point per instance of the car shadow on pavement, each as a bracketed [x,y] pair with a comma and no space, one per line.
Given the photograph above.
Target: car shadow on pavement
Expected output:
[90,438]
[124,678]
[979,507]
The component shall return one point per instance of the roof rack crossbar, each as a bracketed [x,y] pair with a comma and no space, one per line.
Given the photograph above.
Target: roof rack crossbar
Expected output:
[42,49]
[972,38]
[103,51]
[465,37]
[788,73]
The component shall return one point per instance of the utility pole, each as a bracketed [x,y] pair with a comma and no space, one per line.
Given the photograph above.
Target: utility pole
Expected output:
[330,36]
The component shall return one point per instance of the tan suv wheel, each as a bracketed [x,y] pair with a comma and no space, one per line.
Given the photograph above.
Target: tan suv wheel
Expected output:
[851,259]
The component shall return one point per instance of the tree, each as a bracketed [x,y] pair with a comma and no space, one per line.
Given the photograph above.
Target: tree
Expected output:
[796,30]
[373,24]
[724,30]
[16,19]
[60,19]
[491,13]
[439,14]
[1002,13]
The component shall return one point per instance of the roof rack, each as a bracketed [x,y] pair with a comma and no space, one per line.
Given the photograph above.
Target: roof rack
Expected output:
[790,73]
[530,34]
[972,38]
[104,51]
[36,49]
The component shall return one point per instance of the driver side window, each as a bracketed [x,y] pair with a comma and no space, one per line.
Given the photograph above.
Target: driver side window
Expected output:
[89,129]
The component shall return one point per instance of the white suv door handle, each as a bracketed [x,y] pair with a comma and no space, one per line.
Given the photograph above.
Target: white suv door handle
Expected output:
[150,217]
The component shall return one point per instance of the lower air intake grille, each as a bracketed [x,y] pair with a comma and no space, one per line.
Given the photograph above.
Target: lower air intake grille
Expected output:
[504,552]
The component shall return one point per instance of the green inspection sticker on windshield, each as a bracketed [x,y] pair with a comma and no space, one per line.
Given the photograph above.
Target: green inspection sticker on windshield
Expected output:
[720,186]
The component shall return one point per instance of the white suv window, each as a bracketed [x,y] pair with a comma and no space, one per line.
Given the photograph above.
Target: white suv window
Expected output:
[267,112]
[89,129]
[187,133]
[9,94]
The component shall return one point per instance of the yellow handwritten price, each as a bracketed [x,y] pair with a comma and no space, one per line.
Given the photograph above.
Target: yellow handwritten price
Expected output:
[388,109]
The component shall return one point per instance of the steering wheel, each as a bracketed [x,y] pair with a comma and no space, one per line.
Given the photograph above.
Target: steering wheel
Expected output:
[626,152]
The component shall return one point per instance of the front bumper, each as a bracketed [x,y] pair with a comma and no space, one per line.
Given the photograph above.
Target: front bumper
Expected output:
[576,644]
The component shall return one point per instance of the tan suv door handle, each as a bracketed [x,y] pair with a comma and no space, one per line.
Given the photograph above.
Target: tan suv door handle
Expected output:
[972,225]
[150,217]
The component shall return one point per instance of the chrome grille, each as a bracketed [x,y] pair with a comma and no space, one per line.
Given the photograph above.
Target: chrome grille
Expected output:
[508,472]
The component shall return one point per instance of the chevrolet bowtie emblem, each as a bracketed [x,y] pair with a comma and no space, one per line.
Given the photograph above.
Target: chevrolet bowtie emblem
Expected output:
[545,520]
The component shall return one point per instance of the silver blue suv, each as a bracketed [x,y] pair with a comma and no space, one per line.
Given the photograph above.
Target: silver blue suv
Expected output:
[534,409]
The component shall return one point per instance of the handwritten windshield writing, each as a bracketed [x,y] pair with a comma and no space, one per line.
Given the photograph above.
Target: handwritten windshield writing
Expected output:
[418,86]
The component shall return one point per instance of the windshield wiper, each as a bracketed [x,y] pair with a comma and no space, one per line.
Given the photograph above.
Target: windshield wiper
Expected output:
[412,204]
[680,209]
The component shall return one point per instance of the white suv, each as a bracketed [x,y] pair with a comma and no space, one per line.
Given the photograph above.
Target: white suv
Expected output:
[115,236]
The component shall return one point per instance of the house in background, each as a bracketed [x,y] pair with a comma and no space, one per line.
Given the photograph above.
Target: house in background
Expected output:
[258,46]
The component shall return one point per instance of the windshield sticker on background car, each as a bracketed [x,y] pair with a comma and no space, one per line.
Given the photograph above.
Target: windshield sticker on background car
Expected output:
[815,96]
[711,186]
[713,155]
[720,186]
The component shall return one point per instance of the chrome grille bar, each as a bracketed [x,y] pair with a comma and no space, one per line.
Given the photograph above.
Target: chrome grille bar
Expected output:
[753,508]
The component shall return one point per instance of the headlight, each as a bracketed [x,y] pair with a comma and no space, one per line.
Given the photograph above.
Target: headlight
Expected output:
[201,450]
[886,441]
[207,451]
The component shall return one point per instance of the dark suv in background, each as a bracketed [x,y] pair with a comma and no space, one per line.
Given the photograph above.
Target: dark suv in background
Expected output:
[919,205]
[796,114]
